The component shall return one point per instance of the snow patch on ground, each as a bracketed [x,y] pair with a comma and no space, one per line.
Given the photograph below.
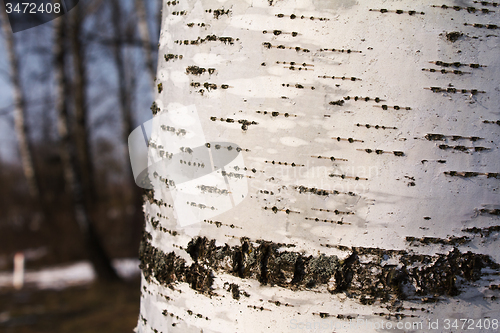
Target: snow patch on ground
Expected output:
[61,277]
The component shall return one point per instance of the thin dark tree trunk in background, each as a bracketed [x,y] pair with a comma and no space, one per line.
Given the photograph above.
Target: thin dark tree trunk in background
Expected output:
[125,100]
[81,112]
[25,148]
[142,25]
[72,175]
[124,95]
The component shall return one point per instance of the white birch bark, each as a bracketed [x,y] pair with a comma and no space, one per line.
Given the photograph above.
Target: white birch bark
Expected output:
[359,211]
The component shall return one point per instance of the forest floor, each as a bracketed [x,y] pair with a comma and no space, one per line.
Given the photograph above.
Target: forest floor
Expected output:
[94,308]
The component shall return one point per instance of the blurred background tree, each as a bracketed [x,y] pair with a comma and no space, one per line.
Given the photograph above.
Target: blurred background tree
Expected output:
[105,56]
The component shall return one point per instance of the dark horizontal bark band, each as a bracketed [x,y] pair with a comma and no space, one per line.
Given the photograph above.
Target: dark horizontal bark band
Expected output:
[415,276]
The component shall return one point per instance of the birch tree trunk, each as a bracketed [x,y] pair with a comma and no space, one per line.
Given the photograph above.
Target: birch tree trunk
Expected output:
[25,148]
[359,189]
